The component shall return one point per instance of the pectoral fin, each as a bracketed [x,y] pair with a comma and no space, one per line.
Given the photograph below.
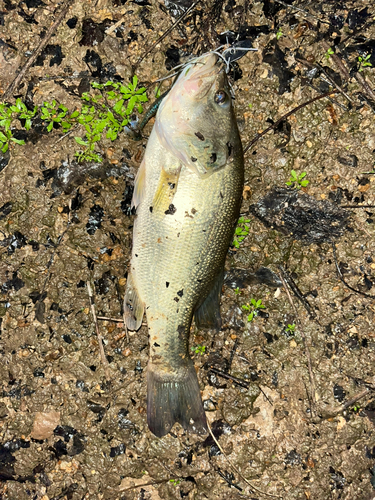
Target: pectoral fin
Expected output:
[165,191]
[133,306]
[207,315]
[139,185]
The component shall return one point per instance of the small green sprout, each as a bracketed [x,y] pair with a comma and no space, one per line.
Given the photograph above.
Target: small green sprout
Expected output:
[290,328]
[199,349]
[297,179]
[175,482]
[356,408]
[237,291]
[52,113]
[242,230]
[253,308]
[364,62]
[5,139]
[329,53]
[279,34]
[250,106]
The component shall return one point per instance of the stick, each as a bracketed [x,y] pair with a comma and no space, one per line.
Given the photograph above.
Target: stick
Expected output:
[342,277]
[100,338]
[15,83]
[284,117]
[311,374]
[350,402]
[166,33]
[236,470]
[236,380]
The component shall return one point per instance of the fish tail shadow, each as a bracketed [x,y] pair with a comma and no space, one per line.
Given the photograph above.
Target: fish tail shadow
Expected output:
[174,400]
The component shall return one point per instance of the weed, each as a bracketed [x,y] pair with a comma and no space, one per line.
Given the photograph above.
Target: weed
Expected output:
[329,53]
[6,138]
[108,112]
[290,328]
[237,291]
[53,113]
[242,230]
[279,34]
[364,62]
[253,308]
[175,482]
[199,349]
[298,179]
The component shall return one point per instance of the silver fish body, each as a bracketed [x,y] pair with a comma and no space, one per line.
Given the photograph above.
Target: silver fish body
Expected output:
[188,193]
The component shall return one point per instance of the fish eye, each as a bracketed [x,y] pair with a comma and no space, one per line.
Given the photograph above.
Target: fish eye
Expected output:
[220,97]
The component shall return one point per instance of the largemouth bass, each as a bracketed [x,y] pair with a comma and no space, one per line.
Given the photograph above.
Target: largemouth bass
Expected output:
[187,196]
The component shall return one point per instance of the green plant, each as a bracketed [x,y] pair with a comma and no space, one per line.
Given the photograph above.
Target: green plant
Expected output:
[6,138]
[299,179]
[290,328]
[253,308]
[53,113]
[175,482]
[241,231]
[364,62]
[199,349]
[329,53]
[237,291]
[104,113]
[279,34]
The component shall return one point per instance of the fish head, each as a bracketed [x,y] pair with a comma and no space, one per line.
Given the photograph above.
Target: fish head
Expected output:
[196,120]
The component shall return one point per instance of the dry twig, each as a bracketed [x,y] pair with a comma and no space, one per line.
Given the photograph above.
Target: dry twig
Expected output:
[236,470]
[307,350]
[100,338]
[284,117]
[14,85]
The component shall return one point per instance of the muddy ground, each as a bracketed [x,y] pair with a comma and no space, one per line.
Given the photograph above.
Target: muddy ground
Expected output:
[69,433]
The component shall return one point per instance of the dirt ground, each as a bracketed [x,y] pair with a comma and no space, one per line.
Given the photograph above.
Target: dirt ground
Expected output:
[68,432]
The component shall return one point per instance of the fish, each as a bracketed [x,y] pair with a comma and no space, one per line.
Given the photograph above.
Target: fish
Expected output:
[187,195]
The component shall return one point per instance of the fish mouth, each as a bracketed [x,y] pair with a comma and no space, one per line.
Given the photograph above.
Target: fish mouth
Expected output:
[198,77]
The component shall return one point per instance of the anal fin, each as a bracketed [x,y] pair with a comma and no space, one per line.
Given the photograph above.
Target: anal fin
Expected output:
[133,306]
[207,314]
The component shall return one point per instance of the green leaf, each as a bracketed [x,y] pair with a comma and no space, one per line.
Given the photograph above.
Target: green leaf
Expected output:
[74,114]
[4,149]
[66,125]
[80,141]
[135,81]
[250,317]
[28,124]
[118,106]
[18,141]
[304,183]
[3,138]
[131,105]
[50,126]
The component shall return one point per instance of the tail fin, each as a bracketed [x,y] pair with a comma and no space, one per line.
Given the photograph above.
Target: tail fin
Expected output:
[174,400]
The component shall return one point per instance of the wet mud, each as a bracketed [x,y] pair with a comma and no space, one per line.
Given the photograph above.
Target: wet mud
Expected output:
[70,428]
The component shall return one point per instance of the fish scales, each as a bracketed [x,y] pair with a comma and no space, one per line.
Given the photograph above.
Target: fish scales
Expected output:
[183,228]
